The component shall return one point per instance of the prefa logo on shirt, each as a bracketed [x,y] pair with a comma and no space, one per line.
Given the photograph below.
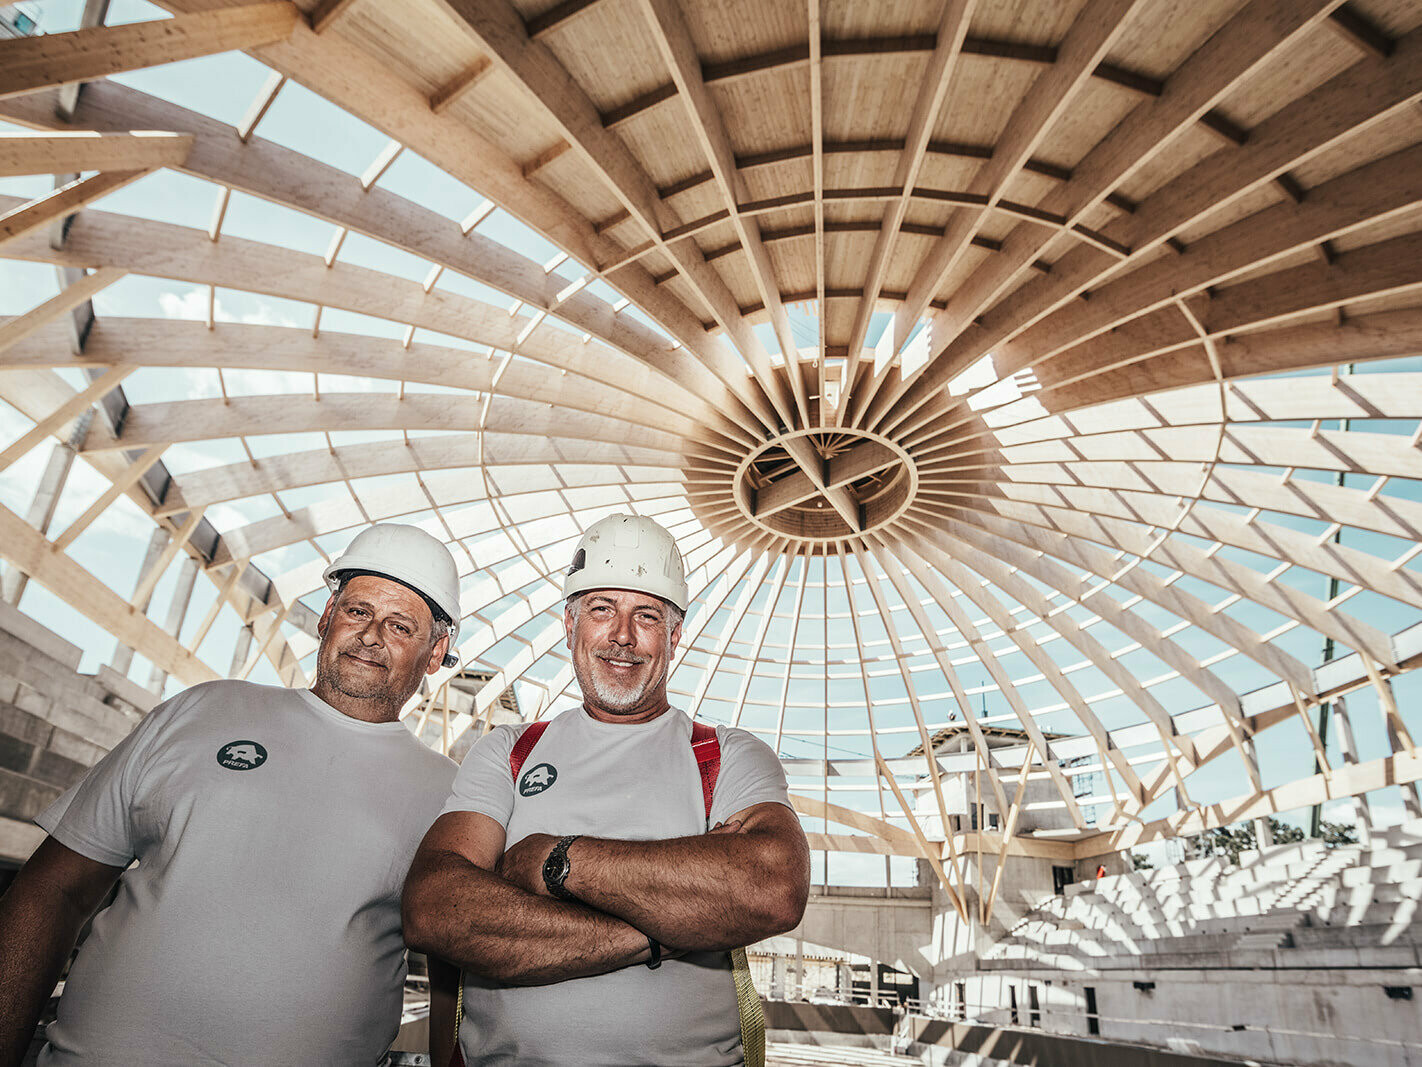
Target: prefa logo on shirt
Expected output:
[241,755]
[537,779]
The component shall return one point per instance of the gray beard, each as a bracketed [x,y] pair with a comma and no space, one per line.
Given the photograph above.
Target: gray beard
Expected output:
[611,696]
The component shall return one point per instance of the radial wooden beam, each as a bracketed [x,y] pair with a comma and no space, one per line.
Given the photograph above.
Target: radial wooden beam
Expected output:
[1258,34]
[1090,37]
[1359,97]
[28,64]
[952,29]
[679,53]
[66,153]
[499,30]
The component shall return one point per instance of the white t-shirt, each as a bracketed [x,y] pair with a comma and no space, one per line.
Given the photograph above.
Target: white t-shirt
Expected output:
[633,783]
[261,925]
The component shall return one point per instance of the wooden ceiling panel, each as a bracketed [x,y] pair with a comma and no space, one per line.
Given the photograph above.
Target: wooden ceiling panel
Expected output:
[728,30]
[499,109]
[1377,140]
[1158,42]
[611,52]
[856,107]
[1026,21]
[1320,56]
[766,111]
[981,97]
[1095,111]
[419,41]
[861,170]
[894,18]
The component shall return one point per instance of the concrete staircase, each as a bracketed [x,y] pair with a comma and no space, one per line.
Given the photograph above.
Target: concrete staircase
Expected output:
[1283,906]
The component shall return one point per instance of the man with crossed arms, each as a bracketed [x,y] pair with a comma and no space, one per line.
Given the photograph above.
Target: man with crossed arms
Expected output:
[601,934]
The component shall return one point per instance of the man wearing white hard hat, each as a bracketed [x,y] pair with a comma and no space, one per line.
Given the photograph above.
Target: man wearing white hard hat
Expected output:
[597,874]
[272,829]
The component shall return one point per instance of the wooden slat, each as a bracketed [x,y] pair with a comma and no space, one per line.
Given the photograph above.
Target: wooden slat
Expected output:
[53,59]
[65,153]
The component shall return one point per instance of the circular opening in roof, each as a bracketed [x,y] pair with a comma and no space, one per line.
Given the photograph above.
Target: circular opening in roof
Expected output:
[825,484]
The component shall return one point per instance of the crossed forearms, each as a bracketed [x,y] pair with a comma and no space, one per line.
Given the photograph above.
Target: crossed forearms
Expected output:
[721,890]
[477,920]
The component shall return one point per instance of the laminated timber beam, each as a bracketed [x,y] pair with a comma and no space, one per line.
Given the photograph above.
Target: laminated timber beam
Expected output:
[499,30]
[135,342]
[28,64]
[367,88]
[952,29]
[70,153]
[1091,35]
[27,549]
[63,201]
[202,420]
[1347,780]
[297,470]
[1361,96]
[1257,34]
[678,52]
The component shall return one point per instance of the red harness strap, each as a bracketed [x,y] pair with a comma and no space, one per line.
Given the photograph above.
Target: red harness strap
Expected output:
[707,750]
[524,745]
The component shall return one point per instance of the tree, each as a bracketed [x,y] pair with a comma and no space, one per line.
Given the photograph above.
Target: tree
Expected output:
[1339,833]
[1232,840]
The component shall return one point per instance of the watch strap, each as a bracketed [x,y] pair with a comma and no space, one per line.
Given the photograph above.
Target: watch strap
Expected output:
[656,947]
[557,867]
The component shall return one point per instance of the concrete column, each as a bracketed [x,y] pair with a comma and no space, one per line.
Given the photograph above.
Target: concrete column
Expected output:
[240,651]
[873,982]
[41,513]
[1348,748]
[123,655]
[177,612]
[800,967]
[1263,833]
[1411,801]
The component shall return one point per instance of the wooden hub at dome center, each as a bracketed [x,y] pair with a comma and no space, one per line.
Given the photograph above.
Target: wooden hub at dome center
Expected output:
[825,484]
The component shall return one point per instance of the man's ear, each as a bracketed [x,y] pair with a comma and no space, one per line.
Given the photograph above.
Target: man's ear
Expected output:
[569,623]
[325,619]
[437,654]
[675,637]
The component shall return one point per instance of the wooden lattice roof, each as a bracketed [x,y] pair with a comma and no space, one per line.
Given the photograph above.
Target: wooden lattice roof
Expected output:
[1052,352]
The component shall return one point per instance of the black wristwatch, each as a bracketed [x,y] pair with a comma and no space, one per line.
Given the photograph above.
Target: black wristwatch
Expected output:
[557,867]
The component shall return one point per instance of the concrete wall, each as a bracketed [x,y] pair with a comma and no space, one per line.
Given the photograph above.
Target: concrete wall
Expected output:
[55,723]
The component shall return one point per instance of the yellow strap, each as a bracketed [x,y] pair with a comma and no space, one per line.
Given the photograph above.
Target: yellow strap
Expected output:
[458,1015]
[752,1014]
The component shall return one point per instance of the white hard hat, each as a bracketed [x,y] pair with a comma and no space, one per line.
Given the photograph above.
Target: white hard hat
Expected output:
[628,552]
[415,559]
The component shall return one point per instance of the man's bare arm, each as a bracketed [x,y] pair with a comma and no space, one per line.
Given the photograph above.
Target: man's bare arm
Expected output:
[455,907]
[40,918]
[444,994]
[713,891]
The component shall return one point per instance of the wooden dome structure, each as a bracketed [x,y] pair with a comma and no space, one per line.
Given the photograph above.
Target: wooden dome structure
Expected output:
[1039,365]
